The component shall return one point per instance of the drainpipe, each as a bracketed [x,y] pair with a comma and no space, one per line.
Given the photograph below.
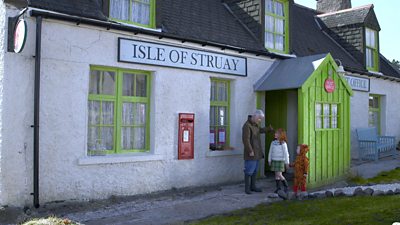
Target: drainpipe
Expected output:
[36,112]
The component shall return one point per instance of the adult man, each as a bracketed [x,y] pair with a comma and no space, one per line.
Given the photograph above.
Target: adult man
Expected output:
[252,149]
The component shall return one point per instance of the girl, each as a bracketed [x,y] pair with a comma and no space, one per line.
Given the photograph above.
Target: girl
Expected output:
[278,158]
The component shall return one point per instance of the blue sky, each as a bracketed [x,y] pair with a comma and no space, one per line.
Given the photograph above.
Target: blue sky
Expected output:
[388,15]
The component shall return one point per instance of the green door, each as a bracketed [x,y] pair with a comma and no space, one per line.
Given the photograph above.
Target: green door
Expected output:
[276,115]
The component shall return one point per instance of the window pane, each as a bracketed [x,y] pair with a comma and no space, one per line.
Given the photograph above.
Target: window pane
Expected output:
[141,12]
[222,116]
[269,23]
[279,9]
[374,102]
[107,138]
[334,109]
[213,96]
[279,26]
[369,58]
[269,40]
[119,9]
[370,38]
[128,84]
[212,115]
[318,109]
[127,138]
[326,116]
[94,112]
[222,91]
[127,113]
[334,115]
[373,119]
[141,85]
[107,114]
[318,118]
[93,138]
[279,42]
[108,80]
[140,114]
[139,137]
[94,83]
[269,6]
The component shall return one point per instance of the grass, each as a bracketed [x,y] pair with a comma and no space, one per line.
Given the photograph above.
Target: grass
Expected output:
[50,221]
[383,177]
[343,210]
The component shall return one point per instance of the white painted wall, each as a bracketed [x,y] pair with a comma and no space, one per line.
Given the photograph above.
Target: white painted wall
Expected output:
[17,117]
[66,172]
[390,106]
[2,50]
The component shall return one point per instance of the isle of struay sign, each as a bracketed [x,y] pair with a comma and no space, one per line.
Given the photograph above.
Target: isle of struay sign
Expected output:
[358,83]
[133,51]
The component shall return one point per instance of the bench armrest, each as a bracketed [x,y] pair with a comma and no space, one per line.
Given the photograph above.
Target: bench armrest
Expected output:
[386,139]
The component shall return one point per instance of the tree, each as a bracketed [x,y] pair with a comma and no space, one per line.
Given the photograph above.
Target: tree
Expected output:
[396,64]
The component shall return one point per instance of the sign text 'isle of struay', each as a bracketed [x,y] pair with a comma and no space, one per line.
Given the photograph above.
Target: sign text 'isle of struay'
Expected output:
[166,55]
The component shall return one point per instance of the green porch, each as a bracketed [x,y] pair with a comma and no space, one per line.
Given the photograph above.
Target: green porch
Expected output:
[311,101]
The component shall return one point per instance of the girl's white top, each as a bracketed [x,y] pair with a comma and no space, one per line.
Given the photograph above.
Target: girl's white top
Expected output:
[278,152]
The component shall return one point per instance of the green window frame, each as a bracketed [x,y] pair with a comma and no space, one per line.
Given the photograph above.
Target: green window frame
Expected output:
[276,25]
[132,16]
[371,50]
[219,114]
[118,111]
[374,112]
[327,116]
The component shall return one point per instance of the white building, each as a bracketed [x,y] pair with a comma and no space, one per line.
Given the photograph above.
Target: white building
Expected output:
[109,124]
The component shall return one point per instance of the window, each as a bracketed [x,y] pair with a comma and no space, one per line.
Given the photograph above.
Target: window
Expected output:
[371,50]
[140,12]
[326,116]
[219,114]
[374,112]
[276,25]
[118,111]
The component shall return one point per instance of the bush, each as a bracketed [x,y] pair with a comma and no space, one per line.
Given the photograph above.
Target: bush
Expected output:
[50,221]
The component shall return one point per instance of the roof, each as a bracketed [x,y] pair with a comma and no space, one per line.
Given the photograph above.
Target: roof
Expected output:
[206,20]
[344,17]
[84,8]
[387,68]
[308,38]
[289,73]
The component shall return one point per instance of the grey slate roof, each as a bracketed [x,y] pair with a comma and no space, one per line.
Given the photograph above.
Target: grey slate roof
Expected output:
[353,16]
[85,8]
[288,74]
[207,20]
[307,38]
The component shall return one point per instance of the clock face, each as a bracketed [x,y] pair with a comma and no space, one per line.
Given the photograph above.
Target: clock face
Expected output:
[19,36]
[329,85]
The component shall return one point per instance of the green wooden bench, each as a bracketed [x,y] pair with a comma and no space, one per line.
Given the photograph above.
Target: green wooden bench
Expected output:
[371,146]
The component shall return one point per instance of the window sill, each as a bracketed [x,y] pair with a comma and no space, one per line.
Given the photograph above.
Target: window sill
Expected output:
[224,153]
[120,158]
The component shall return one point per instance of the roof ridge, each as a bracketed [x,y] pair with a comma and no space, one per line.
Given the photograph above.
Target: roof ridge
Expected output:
[346,10]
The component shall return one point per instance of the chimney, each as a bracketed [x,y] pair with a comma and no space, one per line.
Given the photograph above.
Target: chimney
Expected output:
[326,6]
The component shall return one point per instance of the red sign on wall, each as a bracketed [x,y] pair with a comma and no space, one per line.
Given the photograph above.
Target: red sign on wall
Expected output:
[329,85]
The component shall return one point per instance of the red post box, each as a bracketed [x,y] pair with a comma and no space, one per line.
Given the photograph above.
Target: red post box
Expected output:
[186,136]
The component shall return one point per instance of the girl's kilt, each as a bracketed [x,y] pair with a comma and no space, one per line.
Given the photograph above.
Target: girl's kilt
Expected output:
[278,166]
